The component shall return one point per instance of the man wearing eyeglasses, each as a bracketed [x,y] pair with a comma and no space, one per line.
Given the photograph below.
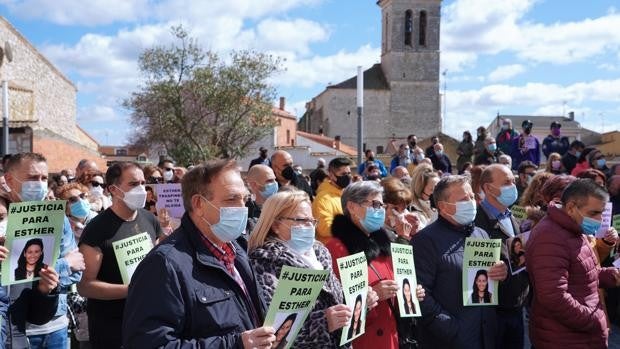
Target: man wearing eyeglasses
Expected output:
[526,172]
[196,288]
[102,283]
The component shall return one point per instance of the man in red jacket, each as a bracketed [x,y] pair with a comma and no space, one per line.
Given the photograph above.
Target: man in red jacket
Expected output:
[566,309]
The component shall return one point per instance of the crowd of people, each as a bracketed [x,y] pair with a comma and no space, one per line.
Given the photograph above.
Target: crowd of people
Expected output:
[210,278]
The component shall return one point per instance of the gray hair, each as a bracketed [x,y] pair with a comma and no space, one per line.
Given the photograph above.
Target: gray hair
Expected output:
[442,189]
[359,192]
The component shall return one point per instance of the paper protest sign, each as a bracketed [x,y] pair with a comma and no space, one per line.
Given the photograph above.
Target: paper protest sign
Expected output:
[516,251]
[479,257]
[33,235]
[292,301]
[530,142]
[354,278]
[519,213]
[130,252]
[169,197]
[606,222]
[616,220]
[404,275]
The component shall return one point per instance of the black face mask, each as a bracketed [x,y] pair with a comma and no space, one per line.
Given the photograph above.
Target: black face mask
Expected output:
[263,155]
[288,173]
[343,181]
[371,158]
[528,131]
[372,177]
[412,144]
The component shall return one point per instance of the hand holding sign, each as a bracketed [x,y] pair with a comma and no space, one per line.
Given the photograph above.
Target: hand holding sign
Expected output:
[611,236]
[337,316]
[49,280]
[498,271]
[420,293]
[261,337]
[372,299]
[4,253]
[386,289]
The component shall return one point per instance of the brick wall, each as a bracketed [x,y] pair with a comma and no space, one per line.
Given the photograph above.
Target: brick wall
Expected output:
[62,153]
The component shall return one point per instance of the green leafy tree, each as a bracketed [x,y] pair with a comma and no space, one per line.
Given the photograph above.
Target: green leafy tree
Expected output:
[199,106]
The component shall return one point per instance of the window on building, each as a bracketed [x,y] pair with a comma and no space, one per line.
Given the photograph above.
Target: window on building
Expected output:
[379,149]
[422,31]
[408,27]
[120,152]
[288,137]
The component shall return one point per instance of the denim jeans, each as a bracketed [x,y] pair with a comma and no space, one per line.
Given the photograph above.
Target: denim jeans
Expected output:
[55,340]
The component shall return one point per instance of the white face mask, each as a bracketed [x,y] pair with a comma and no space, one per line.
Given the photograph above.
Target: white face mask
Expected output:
[96,191]
[168,175]
[135,198]
[3,225]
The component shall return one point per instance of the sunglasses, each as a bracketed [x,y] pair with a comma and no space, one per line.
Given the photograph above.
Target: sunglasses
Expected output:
[96,184]
[74,199]
[155,180]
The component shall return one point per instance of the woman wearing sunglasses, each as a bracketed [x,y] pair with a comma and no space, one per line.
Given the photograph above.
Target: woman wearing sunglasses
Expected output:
[78,206]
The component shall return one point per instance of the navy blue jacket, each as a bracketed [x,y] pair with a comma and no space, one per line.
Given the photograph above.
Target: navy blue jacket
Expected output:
[181,296]
[446,323]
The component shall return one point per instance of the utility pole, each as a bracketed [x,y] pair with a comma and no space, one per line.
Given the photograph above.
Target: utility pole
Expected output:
[360,117]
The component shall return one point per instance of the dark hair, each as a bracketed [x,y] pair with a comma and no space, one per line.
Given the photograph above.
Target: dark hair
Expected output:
[592,174]
[584,154]
[20,271]
[524,165]
[577,144]
[162,162]
[291,317]
[196,181]
[366,151]
[581,189]
[339,162]
[16,160]
[443,187]
[468,134]
[554,187]
[115,172]
[358,299]
[474,294]
[406,304]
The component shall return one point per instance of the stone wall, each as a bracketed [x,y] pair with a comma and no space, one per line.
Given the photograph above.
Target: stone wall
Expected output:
[39,90]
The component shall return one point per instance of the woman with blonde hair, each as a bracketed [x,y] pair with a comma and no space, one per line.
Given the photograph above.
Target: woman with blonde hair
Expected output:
[533,201]
[423,182]
[554,164]
[398,220]
[284,235]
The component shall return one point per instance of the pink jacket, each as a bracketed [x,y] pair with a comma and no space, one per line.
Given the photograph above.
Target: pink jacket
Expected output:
[566,309]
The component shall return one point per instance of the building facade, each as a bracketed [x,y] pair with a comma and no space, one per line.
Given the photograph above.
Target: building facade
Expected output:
[401,94]
[42,107]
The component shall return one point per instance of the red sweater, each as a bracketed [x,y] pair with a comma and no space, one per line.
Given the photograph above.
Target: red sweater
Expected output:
[381,329]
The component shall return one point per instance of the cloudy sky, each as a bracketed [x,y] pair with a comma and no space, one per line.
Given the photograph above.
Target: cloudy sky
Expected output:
[541,57]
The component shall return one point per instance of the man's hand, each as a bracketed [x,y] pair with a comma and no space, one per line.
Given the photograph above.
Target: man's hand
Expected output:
[386,289]
[499,271]
[337,317]
[262,337]
[75,259]
[611,236]
[49,280]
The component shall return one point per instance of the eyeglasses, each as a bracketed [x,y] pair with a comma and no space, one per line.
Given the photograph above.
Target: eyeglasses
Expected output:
[96,184]
[304,221]
[168,169]
[376,204]
[74,199]
[155,180]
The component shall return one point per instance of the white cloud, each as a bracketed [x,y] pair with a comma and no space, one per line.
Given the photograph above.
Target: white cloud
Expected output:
[289,35]
[97,113]
[506,72]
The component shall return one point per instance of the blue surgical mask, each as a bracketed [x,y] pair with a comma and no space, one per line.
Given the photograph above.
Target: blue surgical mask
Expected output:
[589,226]
[33,190]
[80,209]
[232,224]
[600,163]
[374,219]
[465,212]
[302,238]
[419,157]
[439,152]
[508,195]
[492,147]
[269,189]
[577,154]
